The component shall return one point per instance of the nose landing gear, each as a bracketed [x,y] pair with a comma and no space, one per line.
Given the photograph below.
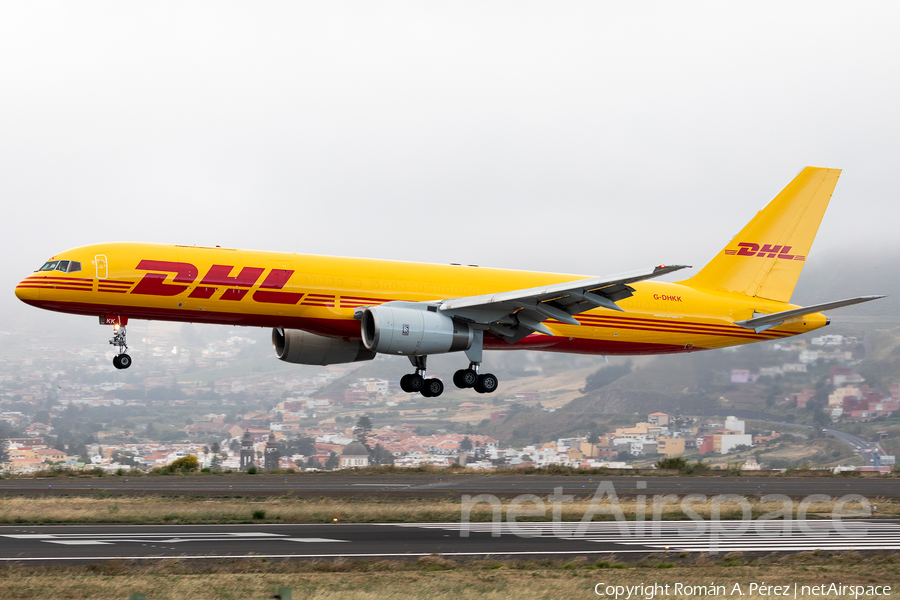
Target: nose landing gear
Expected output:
[120,360]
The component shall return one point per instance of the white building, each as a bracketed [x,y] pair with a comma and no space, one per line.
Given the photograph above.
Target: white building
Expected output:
[732,441]
[734,424]
[354,455]
[808,356]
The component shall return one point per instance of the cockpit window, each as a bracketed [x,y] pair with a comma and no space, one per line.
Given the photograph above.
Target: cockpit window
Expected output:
[66,266]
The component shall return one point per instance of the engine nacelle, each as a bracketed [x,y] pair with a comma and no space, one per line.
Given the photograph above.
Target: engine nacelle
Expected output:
[413,331]
[304,348]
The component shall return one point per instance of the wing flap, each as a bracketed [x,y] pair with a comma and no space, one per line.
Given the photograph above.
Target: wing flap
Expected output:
[615,284]
[513,315]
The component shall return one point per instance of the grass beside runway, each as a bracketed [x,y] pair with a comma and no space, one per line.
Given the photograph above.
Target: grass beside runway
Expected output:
[438,578]
[100,507]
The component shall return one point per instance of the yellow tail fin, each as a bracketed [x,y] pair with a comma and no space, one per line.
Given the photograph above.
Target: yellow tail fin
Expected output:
[766,257]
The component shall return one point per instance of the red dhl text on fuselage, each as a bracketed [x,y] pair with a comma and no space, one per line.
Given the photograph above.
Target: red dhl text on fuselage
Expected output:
[319,294]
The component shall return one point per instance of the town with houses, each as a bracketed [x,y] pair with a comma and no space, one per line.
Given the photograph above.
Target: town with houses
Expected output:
[70,410]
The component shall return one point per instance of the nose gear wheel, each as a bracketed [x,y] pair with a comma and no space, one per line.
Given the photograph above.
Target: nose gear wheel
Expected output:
[121,360]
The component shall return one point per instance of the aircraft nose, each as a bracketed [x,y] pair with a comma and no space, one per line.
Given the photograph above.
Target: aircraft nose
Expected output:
[27,290]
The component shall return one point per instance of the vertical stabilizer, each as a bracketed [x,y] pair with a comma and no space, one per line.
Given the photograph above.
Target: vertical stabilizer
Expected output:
[766,257]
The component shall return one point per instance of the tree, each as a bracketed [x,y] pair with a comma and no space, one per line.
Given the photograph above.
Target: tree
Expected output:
[304,445]
[333,462]
[381,456]
[819,417]
[185,463]
[4,446]
[592,439]
[363,429]
[124,459]
[466,444]
[216,447]
[673,462]
[312,463]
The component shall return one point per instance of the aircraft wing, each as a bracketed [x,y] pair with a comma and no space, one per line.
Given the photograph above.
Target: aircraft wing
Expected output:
[762,322]
[518,313]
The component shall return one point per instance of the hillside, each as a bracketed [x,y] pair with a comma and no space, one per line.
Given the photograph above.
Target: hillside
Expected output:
[670,384]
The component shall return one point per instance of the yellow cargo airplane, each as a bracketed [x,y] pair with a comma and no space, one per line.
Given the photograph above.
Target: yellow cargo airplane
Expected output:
[328,310]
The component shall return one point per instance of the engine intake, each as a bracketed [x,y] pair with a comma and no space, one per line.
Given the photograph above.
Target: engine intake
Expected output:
[413,331]
[304,348]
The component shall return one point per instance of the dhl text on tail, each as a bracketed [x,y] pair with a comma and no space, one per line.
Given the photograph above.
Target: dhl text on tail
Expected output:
[326,310]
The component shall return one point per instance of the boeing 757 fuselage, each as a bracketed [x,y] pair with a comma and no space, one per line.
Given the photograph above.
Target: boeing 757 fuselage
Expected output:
[328,310]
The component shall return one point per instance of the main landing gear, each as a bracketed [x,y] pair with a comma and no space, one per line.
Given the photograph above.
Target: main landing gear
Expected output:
[432,388]
[416,382]
[120,360]
[470,378]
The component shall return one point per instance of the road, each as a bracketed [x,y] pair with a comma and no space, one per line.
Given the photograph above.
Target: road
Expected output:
[848,438]
[62,544]
[348,485]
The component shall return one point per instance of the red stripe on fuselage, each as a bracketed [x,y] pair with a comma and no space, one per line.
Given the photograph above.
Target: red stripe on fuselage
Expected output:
[748,335]
[52,278]
[54,287]
[659,322]
[349,328]
[654,325]
[52,284]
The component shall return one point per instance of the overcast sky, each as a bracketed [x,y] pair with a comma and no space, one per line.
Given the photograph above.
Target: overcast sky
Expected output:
[585,138]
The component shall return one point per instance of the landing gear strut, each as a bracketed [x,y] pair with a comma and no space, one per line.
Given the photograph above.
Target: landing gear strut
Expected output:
[416,382]
[470,378]
[120,360]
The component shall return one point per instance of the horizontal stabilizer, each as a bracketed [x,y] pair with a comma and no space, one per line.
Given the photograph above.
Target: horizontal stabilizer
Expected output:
[763,322]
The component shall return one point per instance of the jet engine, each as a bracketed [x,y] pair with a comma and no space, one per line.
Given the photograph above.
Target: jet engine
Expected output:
[304,348]
[413,331]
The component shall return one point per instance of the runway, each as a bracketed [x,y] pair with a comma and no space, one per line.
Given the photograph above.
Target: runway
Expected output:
[412,485]
[62,544]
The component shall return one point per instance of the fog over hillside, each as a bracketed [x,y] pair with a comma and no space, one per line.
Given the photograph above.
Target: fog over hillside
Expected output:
[838,272]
